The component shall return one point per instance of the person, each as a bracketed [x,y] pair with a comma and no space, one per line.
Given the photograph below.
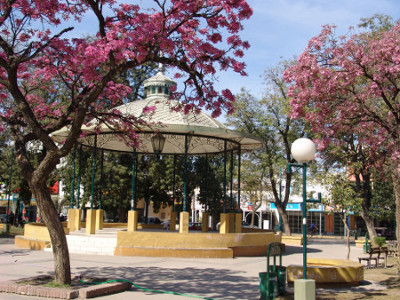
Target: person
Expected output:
[313,228]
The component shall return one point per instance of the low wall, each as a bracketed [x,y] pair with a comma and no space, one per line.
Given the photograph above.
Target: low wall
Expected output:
[36,237]
[292,240]
[170,244]
[328,271]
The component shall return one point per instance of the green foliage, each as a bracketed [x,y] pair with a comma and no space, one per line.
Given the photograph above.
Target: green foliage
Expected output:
[342,196]
[383,204]
[379,241]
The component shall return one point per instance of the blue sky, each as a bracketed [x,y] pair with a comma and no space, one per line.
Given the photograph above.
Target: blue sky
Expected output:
[281,29]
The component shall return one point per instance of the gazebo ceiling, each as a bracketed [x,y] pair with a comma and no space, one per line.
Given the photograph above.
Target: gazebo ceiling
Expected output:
[205,134]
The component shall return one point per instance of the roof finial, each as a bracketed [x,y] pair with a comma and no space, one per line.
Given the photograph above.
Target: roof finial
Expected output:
[161,68]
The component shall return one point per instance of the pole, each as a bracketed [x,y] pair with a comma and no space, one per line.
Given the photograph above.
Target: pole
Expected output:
[231,179]
[185,175]
[174,183]
[133,198]
[239,165]
[224,204]
[101,178]
[304,204]
[79,177]
[73,177]
[93,171]
[206,192]
[9,188]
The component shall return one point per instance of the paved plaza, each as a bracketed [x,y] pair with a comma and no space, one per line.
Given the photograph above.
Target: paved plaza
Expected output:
[214,278]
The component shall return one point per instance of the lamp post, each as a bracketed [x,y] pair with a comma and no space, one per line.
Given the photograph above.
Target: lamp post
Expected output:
[303,151]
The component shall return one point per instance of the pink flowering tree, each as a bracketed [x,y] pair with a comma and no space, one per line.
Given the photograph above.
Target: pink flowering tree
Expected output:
[349,86]
[51,78]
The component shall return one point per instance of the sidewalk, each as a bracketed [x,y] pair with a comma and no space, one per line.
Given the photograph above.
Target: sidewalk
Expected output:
[213,278]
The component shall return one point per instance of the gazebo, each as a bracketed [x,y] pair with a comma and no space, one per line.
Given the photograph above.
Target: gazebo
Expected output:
[172,133]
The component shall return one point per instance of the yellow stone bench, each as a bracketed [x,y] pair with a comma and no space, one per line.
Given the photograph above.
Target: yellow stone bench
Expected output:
[325,270]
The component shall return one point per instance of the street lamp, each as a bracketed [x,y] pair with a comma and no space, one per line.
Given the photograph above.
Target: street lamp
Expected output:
[303,151]
[158,142]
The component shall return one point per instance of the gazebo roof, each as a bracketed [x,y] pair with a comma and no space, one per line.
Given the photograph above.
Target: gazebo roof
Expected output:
[206,134]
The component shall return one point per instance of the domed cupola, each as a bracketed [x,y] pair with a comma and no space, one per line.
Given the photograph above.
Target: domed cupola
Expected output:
[158,85]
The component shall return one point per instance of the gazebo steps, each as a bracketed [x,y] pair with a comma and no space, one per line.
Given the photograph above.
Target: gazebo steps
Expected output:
[175,252]
[90,244]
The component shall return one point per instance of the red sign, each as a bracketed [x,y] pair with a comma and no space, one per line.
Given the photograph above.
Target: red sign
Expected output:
[250,207]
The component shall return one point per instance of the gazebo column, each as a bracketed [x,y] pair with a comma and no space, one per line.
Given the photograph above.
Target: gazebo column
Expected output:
[238,214]
[78,211]
[184,215]
[100,211]
[172,221]
[225,218]
[91,213]
[71,224]
[205,215]
[133,214]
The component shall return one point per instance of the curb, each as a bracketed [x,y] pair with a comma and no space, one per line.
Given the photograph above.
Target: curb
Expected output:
[63,293]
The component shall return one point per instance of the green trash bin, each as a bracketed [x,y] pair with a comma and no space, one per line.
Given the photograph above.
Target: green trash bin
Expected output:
[268,285]
[281,278]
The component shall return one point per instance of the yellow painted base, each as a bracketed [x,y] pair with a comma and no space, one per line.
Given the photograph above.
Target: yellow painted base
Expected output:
[36,237]
[74,219]
[184,222]
[328,271]
[133,217]
[238,223]
[25,243]
[204,222]
[172,221]
[164,244]
[90,221]
[174,252]
[99,219]
[226,225]
[292,240]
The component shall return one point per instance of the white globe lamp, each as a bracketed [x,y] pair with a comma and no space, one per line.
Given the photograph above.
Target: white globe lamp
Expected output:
[303,150]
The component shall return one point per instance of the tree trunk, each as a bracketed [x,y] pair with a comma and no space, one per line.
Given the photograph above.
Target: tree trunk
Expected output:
[368,222]
[285,220]
[396,187]
[57,236]
[347,235]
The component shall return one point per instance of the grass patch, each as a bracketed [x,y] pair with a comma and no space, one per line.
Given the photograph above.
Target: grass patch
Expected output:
[48,281]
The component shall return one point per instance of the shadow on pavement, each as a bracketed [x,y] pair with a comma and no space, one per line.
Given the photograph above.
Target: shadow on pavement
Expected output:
[210,282]
[299,249]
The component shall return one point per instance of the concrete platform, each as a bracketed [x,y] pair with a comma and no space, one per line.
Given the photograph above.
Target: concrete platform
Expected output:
[223,279]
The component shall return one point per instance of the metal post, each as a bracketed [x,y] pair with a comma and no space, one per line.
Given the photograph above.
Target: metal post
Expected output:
[133,198]
[73,177]
[93,171]
[224,204]
[185,176]
[304,221]
[79,177]
[101,178]
[9,188]
[280,222]
[239,165]
[173,184]
[206,191]
[231,183]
